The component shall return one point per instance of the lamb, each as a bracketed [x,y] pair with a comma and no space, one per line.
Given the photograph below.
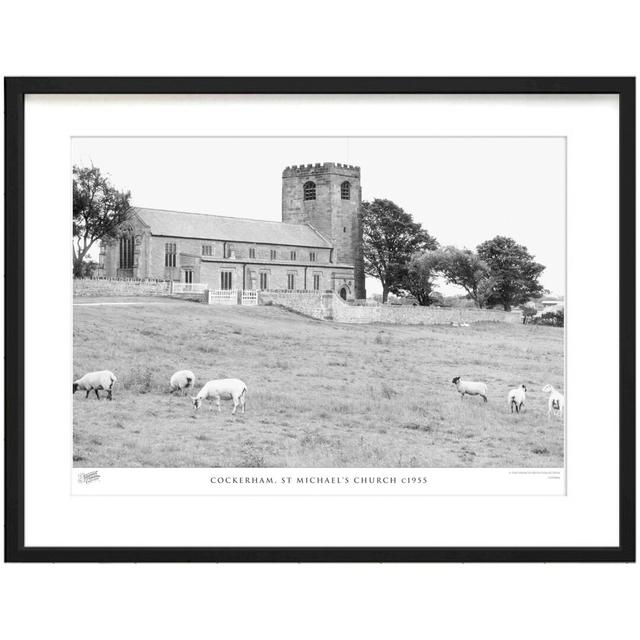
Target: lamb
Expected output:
[470,388]
[517,398]
[182,380]
[556,400]
[227,389]
[96,380]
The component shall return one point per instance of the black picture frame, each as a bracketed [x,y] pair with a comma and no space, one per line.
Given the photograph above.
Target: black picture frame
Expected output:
[15,91]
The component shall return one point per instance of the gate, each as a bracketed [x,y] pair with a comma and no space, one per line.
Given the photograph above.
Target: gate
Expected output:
[223,296]
[249,297]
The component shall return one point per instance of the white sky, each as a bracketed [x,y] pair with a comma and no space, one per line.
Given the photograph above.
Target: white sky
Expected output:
[462,190]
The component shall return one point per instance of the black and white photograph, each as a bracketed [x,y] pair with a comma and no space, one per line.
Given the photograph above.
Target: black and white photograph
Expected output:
[319,302]
[334,325]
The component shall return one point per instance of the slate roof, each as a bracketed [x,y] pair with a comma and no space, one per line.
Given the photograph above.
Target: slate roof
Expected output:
[181,224]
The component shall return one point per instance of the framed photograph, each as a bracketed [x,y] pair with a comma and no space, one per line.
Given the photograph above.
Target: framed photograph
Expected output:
[320,319]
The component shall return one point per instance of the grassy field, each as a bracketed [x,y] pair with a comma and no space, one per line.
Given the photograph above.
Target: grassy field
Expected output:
[319,394]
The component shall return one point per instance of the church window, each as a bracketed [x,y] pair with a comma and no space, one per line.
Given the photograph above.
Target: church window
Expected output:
[226,280]
[293,255]
[312,256]
[252,252]
[291,281]
[273,254]
[126,252]
[309,190]
[345,191]
[207,250]
[170,254]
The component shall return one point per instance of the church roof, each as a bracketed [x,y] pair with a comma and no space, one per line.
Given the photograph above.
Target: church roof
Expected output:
[182,224]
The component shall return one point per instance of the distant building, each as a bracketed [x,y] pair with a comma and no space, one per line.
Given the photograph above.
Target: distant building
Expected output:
[549,305]
[316,246]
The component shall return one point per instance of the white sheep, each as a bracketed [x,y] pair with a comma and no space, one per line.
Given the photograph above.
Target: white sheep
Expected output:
[556,400]
[96,380]
[182,380]
[227,389]
[517,398]
[470,388]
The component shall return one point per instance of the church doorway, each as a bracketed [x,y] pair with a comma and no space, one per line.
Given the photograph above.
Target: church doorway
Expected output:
[343,293]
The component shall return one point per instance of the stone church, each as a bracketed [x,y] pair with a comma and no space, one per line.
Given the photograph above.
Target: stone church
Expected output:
[316,246]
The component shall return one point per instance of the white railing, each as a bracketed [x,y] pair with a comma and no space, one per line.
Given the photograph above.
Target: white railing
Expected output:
[249,297]
[223,296]
[188,287]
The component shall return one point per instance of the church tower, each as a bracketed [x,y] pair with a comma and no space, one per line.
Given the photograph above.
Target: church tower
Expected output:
[327,196]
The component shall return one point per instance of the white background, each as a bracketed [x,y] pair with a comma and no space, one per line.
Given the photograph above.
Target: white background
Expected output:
[460,38]
[587,516]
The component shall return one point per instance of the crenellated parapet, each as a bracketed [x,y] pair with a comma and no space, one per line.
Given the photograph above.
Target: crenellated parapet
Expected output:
[319,168]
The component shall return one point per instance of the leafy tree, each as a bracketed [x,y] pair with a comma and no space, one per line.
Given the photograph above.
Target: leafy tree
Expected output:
[422,270]
[98,210]
[514,270]
[88,268]
[390,238]
[466,269]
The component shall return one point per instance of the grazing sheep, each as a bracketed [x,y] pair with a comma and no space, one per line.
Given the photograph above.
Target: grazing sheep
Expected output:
[227,389]
[470,388]
[517,398]
[182,380]
[96,380]
[556,400]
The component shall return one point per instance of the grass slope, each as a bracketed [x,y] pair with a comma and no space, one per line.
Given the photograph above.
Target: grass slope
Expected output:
[320,394]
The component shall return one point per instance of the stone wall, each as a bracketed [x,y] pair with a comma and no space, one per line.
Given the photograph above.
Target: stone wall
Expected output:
[247,275]
[90,287]
[329,306]
[406,314]
[150,255]
[310,304]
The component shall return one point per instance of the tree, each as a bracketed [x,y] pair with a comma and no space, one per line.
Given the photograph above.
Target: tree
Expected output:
[98,210]
[465,268]
[514,270]
[89,267]
[390,238]
[422,270]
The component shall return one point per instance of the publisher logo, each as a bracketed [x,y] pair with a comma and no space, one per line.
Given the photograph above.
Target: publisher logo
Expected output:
[87,478]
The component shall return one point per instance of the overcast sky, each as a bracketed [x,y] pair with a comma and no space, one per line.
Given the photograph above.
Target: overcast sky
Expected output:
[462,190]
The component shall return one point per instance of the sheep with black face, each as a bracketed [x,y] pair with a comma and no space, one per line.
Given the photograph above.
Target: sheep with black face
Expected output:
[517,397]
[470,388]
[556,400]
[182,380]
[95,381]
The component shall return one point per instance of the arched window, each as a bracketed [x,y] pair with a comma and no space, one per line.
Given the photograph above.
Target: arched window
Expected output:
[126,252]
[309,190]
[345,190]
